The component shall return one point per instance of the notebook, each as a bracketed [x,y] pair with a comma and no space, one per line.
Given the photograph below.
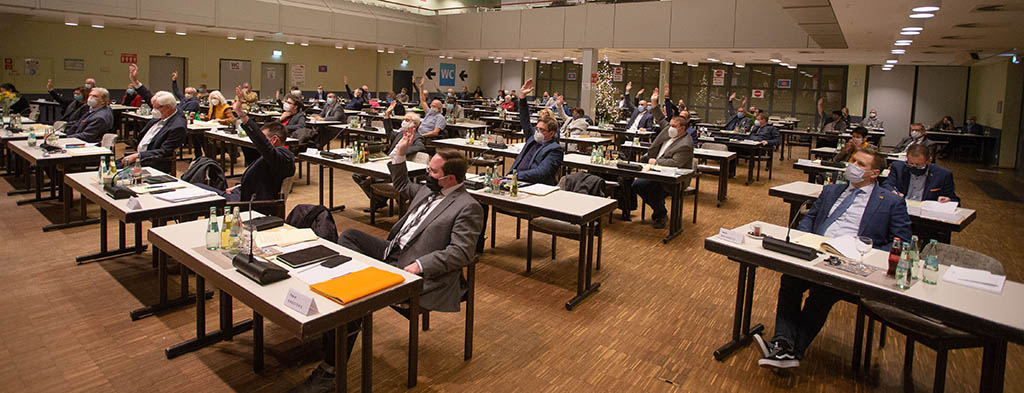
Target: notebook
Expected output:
[356,285]
[306,256]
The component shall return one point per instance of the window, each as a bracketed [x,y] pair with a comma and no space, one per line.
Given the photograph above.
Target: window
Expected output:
[554,77]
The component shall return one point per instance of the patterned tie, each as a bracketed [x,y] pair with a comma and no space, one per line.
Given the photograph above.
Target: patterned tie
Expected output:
[845,204]
[412,223]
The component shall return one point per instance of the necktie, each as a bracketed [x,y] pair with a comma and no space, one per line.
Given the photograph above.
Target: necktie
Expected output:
[412,223]
[845,204]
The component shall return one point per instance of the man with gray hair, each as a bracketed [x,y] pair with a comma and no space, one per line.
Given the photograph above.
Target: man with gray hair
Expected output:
[98,121]
[189,102]
[163,134]
[411,120]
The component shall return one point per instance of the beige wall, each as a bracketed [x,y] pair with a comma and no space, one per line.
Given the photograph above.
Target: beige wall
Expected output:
[51,43]
[995,98]
[856,86]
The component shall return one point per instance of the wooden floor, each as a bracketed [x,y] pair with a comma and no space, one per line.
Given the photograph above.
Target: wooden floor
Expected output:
[661,311]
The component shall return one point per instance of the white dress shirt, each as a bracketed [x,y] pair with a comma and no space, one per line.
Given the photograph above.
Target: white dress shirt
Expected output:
[665,146]
[429,208]
[849,222]
[155,129]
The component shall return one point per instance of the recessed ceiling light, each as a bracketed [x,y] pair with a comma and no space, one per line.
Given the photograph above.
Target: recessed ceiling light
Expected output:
[921,15]
[391,50]
[775,60]
[910,32]
[902,44]
[97,23]
[449,57]
[304,43]
[248,37]
[677,62]
[339,46]
[351,47]
[899,51]
[290,42]
[160,29]
[712,59]
[740,65]
[727,63]
[232,37]
[180,31]
[792,66]
[71,20]
[784,64]
[912,28]
[380,50]
[892,61]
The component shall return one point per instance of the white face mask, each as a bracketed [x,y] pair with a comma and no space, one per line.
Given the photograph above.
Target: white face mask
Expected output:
[915,134]
[872,115]
[407,125]
[539,136]
[757,123]
[287,107]
[93,102]
[854,174]
[188,96]
[215,102]
[673,132]
[155,113]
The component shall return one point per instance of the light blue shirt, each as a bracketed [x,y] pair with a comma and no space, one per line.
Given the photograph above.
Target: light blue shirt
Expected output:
[849,222]
[431,121]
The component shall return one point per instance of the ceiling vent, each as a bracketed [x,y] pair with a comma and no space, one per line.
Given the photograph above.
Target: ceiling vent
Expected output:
[991,8]
[969,25]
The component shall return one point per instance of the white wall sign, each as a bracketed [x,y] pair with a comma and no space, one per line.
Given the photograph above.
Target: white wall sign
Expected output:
[298,74]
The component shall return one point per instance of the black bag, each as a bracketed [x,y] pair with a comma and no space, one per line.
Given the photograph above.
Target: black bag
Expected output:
[316,217]
[205,170]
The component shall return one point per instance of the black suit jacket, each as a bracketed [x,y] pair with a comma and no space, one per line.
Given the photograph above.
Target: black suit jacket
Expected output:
[938,183]
[92,125]
[393,138]
[159,152]
[264,176]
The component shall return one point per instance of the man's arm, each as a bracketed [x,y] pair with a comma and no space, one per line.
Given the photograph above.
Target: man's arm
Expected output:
[681,158]
[730,110]
[949,188]
[142,91]
[899,222]
[94,128]
[174,86]
[544,169]
[659,115]
[457,254]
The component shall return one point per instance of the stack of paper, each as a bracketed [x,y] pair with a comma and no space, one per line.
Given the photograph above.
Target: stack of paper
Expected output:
[539,189]
[185,194]
[284,237]
[317,273]
[88,151]
[942,211]
[844,246]
[974,278]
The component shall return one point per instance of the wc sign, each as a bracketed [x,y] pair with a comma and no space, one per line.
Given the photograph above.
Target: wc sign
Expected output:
[447,74]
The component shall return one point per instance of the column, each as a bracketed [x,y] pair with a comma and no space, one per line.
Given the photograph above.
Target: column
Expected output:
[664,76]
[588,100]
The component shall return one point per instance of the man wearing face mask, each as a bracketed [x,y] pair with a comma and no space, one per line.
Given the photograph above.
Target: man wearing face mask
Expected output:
[542,155]
[248,97]
[356,100]
[738,120]
[763,132]
[671,148]
[918,179]
[332,109]
[972,127]
[403,96]
[320,95]
[74,108]
[452,109]
[918,135]
[434,121]
[835,123]
[872,121]
[860,208]
[89,82]
[641,119]
[188,102]
[434,239]
[163,134]
[202,93]
[97,121]
[410,121]
[858,140]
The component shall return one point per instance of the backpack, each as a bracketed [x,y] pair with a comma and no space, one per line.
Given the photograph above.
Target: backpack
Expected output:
[205,170]
[316,217]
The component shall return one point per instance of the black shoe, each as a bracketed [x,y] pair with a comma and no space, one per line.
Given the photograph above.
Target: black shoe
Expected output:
[659,223]
[367,210]
[780,358]
[320,381]
[625,216]
[766,347]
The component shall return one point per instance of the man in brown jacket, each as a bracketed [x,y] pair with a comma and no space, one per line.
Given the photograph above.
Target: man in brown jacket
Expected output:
[671,148]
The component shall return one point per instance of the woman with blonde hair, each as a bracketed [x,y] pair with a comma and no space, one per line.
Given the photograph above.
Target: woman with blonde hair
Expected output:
[220,111]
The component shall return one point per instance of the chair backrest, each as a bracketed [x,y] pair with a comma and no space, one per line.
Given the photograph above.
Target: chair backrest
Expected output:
[953,255]
[715,146]
[33,112]
[108,140]
[377,123]
[422,158]
[286,186]
[59,125]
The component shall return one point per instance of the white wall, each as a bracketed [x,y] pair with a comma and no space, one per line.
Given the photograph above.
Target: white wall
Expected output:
[891,93]
[941,91]
[508,76]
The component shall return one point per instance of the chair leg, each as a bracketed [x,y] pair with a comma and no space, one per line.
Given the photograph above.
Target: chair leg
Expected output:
[941,359]
[470,303]
[908,366]
[869,338]
[696,194]
[858,339]
[881,335]
[643,210]
[426,320]
[553,241]
[373,209]
[600,236]
[529,248]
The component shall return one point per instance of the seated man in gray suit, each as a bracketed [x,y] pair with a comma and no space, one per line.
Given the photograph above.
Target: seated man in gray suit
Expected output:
[671,148]
[436,238]
[333,110]
[918,135]
[411,120]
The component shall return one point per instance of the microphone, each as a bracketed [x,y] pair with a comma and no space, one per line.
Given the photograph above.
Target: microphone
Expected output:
[262,272]
[788,248]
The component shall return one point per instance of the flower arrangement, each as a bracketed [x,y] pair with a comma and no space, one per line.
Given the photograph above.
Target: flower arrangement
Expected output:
[7,99]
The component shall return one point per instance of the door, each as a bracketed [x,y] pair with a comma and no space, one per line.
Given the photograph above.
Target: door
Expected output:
[272,79]
[401,79]
[234,73]
[160,70]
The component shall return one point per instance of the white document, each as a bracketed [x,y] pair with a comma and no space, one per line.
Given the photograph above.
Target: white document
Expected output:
[975,278]
[185,194]
[539,189]
[846,246]
[803,161]
[317,274]
[284,237]
[940,207]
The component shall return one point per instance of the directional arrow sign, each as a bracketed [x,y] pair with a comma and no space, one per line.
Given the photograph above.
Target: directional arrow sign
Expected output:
[430,73]
[463,75]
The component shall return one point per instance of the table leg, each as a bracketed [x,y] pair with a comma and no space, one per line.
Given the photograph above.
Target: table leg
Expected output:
[993,367]
[68,198]
[320,171]
[582,291]
[675,225]
[203,339]
[341,358]
[723,180]
[368,352]
[414,338]
[257,338]
[742,333]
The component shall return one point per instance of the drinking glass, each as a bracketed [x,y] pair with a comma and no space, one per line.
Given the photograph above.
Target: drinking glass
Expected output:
[864,245]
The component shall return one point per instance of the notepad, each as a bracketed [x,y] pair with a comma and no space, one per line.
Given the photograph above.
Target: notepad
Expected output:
[88,151]
[317,274]
[975,278]
[539,189]
[185,194]
[284,237]
[356,285]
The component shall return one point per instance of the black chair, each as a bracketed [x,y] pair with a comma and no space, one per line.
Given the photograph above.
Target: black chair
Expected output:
[469,298]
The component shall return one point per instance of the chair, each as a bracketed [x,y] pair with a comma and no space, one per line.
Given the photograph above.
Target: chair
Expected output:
[558,228]
[387,190]
[271,207]
[690,190]
[469,298]
[931,333]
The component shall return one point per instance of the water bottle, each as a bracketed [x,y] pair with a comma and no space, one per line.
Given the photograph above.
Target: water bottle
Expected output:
[915,260]
[903,268]
[101,170]
[236,225]
[31,139]
[931,265]
[514,189]
[212,234]
[225,232]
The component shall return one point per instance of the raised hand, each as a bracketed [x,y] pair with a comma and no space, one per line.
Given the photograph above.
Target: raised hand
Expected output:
[732,96]
[423,80]
[665,91]
[391,108]
[640,93]
[133,73]
[654,97]
[237,105]
[402,146]
[629,85]
[49,84]
[346,79]
[526,89]
[174,76]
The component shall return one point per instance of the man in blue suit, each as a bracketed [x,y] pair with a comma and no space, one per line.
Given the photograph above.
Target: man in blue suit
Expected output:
[919,180]
[763,132]
[98,121]
[642,118]
[738,119]
[542,155]
[187,102]
[162,136]
[860,208]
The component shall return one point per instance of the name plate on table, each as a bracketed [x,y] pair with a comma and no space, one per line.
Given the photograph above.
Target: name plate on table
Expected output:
[311,150]
[299,302]
[134,204]
[730,235]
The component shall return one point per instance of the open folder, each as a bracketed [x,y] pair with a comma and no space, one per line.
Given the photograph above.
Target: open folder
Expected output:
[356,285]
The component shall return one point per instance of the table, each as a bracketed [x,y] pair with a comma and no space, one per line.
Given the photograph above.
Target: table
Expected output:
[752,149]
[7,135]
[157,211]
[997,317]
[345,131]
[462,128]
[48,110]
[184,242]
[987,142]
[925,226]
[226,138]
[723,158]
[874,136]
[829,153]
[24,120]
[585,140]
[512,151]
[374,169]
[626,135]
[675,179]
[583,210]
[55,163]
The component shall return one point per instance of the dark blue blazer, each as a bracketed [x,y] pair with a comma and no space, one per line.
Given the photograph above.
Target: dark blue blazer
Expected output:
[185,105]
[765,133]
[159,153]
[92,125]
[939,181]
[884,218]
[264,176]
[545,163]
[646,122]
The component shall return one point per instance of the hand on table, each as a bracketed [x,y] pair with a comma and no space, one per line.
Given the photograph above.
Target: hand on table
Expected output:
[130,159]
[944,199]
[413,268]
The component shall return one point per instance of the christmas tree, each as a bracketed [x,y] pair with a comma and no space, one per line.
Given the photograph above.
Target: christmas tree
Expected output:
[606,104]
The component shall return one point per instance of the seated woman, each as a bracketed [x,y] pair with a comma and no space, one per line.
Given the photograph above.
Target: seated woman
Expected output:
[220,111]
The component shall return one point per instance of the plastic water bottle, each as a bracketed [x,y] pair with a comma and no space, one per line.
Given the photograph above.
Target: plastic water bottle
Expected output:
[931,265]
[903,268]
[31,139]
[915,260]
[514,189]
[236,227]
[225,232]
[212,234]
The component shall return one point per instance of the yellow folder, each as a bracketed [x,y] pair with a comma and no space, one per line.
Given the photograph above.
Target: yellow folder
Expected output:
[356,285]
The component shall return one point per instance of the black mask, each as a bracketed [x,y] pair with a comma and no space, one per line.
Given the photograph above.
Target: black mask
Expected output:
[432,184]
[918,171]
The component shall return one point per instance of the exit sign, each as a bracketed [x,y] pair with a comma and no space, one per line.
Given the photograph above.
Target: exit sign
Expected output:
[129,58]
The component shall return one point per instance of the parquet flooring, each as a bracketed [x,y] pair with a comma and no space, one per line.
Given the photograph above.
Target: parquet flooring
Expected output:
[661,311]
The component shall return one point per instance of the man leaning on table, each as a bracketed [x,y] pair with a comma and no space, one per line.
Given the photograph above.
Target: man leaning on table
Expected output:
[918,179]
[434,239]
[411,120]
[860,208]
[163,134]
[671,148]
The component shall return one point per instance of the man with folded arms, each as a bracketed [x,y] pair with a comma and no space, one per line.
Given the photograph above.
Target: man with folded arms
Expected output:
[860,208]
[434,239]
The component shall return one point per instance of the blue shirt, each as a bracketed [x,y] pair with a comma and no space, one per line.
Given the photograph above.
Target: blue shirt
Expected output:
[849,222]
[433,120]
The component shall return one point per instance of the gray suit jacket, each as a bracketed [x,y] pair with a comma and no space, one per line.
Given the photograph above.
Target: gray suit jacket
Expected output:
[444,242]
[907,141]
[680,154]
[333,112]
